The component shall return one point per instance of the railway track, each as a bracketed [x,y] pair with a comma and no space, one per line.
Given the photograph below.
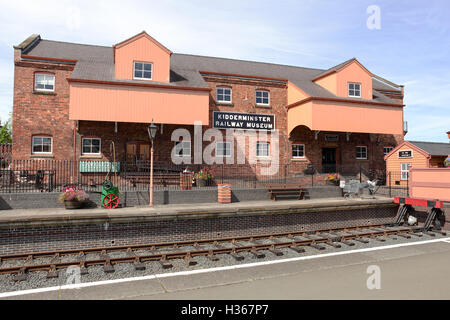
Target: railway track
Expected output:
[189,250]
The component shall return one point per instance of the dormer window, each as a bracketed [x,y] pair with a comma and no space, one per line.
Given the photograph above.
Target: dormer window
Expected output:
[354,90]
[143,70]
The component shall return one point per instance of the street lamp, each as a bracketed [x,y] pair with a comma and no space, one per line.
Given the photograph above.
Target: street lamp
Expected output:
[152,128]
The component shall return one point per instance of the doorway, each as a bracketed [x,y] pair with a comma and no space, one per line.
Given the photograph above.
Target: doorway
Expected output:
[137,150]
[328,160]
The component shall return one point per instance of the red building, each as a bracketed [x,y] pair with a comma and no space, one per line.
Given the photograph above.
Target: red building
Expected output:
[71,100]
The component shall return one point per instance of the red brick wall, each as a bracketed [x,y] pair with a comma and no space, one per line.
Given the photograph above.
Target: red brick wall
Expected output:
[345,150]
[37,113]
[41,113]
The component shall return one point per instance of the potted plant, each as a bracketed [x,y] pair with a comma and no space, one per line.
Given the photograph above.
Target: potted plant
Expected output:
[202,177]
[73,198]
[333,179]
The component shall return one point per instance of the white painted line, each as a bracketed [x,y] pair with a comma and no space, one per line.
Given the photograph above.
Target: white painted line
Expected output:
[240,266]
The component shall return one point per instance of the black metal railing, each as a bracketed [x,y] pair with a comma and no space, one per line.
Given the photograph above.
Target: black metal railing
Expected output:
[54,175]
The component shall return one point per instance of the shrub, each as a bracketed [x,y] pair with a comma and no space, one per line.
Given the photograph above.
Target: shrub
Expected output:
[72,193]
[203,174]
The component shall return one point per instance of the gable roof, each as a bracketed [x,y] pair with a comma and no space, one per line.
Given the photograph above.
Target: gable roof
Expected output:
[97,63]
[433,148]
[138,36]
[428,149]
[339,67]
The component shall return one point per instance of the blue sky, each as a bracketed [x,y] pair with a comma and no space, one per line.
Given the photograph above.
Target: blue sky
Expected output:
[411,48]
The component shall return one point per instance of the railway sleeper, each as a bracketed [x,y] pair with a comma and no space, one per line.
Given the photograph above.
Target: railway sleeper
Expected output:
[317,246]
[404,235]
[190,260]
[276,252]
[236,256]
[362,240]
[164,263]
[138,265]
[333,244]
[108,267]
[297,249]
[347,242]
[211,256]
[258,254]
[21,275]
[52,273]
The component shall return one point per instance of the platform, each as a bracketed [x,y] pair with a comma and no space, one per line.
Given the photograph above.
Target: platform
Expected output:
[33,217]
[37,230]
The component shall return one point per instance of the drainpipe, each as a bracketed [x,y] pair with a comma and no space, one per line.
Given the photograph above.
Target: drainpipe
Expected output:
[74,148]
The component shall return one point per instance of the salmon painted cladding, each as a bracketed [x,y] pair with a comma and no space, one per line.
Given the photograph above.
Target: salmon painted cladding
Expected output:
[71,92]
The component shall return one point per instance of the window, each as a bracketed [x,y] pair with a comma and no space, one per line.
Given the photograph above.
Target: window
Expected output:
[223,149]
[354,90]
[262,149]
[298,151]
[183,148]
[404,169]
[44,82]
[42,145]
[224,95]
[262,97]
[386,150]
[361,152]
[91,146]
[143,70]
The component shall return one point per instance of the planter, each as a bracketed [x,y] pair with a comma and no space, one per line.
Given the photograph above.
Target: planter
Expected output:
[73,204]
[333,182]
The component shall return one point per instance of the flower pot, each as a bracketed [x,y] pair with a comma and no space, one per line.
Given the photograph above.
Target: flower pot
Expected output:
[73,204]
[201,182]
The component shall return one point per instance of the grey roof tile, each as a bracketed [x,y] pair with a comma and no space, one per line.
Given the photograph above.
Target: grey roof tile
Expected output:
[433,148]
[97,63]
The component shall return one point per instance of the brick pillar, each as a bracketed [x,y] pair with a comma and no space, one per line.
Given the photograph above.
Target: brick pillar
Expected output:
[224,193]
[186,180]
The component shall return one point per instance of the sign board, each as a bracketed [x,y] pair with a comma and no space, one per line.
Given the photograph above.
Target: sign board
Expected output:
[243,121]
[99,166]
[331,137]
[405,154]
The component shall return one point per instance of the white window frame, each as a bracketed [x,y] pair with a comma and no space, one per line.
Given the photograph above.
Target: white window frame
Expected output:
[228,148]
[91,153]
[224,101]
[356,153]
[402,171]
[354,89]
[183,147]
[143,70]
[262,103]
[41,152]
[268,149]
[390,149]
[45,80]
[292,151]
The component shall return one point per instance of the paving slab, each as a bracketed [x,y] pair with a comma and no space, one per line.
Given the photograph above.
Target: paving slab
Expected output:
[202,280]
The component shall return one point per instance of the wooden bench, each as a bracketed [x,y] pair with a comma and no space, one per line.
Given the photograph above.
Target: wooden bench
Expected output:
[286,189]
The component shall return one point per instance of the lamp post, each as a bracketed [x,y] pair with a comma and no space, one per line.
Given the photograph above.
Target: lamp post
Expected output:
[152,128]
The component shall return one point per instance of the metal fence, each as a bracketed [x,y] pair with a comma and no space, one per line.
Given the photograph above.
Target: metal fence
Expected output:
[54,175]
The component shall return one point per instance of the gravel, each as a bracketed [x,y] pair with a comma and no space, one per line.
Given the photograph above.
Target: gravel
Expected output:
[38,279]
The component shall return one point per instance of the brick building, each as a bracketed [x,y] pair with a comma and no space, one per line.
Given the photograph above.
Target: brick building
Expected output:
[71,100]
